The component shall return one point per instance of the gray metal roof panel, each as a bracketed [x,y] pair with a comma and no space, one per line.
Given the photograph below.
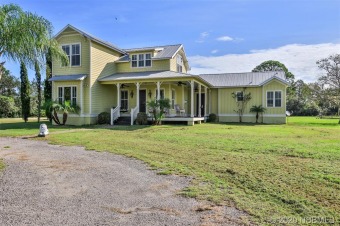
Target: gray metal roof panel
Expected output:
[68,77]
[167,52]
[143,75]
[242,79]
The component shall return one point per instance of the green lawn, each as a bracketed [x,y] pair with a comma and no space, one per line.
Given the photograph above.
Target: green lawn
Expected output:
[269,171]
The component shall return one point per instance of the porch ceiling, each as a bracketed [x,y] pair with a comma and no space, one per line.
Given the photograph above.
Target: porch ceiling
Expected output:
[153,76]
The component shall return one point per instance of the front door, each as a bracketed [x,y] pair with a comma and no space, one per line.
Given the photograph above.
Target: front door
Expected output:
[142,100]
[202,104]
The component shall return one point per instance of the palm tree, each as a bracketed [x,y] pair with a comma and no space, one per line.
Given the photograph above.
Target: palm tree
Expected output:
[66,107]
[257,109]
[26,37]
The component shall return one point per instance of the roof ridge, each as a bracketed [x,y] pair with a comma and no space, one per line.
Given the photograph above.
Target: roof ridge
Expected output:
[150,47]
[100,41]
[230,73]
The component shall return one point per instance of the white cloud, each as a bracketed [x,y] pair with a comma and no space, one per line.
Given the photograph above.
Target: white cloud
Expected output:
[202,37]
[299,59]
[225,39]
[214,51]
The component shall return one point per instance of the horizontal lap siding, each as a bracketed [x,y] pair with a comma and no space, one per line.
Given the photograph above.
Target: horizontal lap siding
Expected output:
[228,105]
[275,86]
[57,69]
[102,64]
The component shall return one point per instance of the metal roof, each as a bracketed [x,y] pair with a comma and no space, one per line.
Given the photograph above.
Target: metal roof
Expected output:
[68,77]
[165,52]
[146,75]
[93,38]
[246,79]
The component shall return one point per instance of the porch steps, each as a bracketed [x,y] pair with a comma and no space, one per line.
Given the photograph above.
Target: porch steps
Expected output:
[123,121]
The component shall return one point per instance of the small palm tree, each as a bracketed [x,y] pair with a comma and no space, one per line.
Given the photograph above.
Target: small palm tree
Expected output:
[158,108]
[257,109]
[66,107]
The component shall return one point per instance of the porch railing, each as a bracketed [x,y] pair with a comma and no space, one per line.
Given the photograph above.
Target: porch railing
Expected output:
[134,112]
[115,113]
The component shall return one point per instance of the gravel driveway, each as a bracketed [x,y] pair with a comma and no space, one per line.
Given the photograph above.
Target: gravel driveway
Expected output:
[46,184]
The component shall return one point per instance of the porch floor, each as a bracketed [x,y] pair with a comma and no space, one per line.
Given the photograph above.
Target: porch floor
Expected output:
[190,121]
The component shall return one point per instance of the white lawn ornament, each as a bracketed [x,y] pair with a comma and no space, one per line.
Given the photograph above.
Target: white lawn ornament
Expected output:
[43,130]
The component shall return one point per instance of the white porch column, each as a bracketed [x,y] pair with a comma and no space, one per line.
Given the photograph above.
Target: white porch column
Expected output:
[137,86]
[205,101]
[118,97]
[158,90]
[81,97]
[192,99]
[199,100]
[183,104]
[210,101]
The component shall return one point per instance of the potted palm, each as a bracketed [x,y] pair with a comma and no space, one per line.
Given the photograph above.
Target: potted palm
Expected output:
[258,110]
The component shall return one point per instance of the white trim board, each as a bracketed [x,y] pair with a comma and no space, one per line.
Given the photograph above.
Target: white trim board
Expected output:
[251,115]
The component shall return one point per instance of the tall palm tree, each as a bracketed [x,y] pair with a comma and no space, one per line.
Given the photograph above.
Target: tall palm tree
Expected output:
[26,37]
[257,109]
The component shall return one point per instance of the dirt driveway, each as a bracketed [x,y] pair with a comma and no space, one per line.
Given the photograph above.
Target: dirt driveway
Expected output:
[46,184]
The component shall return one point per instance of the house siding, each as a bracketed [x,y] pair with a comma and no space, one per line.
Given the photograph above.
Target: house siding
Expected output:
[57,69]
[102,64]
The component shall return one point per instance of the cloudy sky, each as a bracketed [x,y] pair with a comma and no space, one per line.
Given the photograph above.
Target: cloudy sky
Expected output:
[219,36]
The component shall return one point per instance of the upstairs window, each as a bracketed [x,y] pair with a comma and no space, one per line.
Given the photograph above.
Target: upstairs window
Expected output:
[179,63]
[274,98]
[73,53]
[67,93]
[141,60]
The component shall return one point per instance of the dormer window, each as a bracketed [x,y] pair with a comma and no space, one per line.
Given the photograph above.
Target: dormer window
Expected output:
[141,60]
[179,61]
[73,53]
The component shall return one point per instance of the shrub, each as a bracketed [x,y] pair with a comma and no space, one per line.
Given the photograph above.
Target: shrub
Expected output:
[142,119]
[104,118]
[212,118]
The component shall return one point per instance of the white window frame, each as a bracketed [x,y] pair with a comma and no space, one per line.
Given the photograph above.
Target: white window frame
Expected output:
[61,99]
[127,98]
[237,92]
[179,63]
[71,54]
[137,60]
[274,98]
[173,98]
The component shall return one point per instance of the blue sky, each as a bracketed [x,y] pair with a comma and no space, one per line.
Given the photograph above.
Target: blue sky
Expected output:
[218,36]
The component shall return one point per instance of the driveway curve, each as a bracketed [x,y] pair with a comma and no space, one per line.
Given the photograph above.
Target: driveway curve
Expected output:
[45,184]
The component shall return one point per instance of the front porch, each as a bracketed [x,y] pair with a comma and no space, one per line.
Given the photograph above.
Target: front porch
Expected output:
[188,95]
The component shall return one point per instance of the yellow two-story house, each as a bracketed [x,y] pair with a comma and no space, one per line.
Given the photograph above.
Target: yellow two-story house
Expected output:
[102,77]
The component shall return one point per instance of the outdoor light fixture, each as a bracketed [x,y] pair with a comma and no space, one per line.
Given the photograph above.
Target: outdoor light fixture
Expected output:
[150,93]
[131,94]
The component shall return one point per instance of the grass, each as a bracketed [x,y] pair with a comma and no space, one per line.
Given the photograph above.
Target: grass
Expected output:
[269,171]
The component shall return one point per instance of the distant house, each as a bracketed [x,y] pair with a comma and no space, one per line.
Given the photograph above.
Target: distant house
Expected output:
[104,78]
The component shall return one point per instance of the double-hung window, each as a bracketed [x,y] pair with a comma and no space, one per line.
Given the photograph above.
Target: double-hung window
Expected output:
[239,96]
[274,98]
[73,53]
[67,93]
[141,60]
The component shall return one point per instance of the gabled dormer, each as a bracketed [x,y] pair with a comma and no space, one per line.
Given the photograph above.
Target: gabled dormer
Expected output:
[157,58]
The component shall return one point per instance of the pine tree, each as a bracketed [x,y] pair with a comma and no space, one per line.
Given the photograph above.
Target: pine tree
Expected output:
[38,78]
[24,92]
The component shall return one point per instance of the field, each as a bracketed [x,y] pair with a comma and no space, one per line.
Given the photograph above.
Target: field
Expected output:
[269,171]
